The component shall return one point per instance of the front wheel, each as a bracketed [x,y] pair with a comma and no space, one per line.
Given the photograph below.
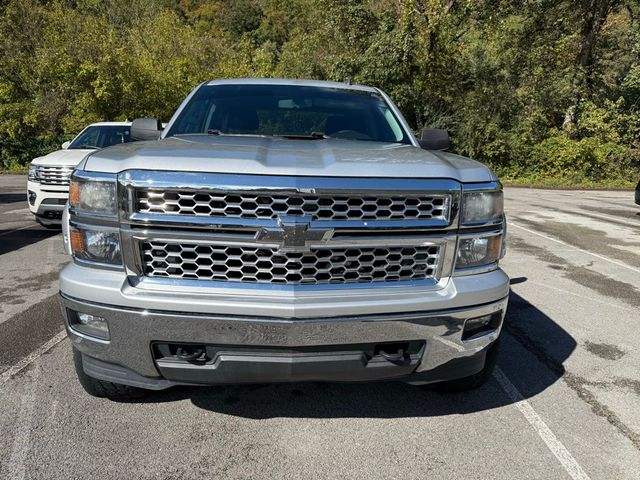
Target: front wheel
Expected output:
[473,381]
[102,388]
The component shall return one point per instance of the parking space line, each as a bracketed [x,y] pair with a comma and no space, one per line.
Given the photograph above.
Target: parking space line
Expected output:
[12,371]
[571,466]
[601,257]
[17,230]
[17,468]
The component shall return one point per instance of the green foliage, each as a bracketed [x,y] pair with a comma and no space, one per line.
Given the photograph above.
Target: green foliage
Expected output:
[505,77]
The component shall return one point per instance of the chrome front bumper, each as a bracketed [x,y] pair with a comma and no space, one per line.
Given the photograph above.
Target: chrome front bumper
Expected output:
[138,319]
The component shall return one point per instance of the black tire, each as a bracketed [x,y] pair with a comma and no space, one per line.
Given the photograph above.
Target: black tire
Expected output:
[473,381]
[103,389]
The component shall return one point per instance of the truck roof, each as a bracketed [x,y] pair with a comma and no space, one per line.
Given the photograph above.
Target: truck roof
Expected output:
[292,82]
[109,124]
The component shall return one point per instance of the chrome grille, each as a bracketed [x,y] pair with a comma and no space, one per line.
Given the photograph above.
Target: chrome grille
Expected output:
[198,261]
[54,175]
[268,206]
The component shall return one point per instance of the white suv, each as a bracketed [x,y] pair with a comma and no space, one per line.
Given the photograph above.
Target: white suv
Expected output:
[48,184]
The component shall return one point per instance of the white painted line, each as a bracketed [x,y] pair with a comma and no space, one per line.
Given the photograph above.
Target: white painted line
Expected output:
[7,374]
[17,210]
[585,297]
[17,230]
[601,257]
[569,463]
[17,466]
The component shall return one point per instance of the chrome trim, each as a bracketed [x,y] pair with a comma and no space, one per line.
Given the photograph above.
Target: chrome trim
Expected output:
[85,336]
[462,272]
[132,330]
[485,186]
[161,284]
[130,180]
[58,175]
[283,184]
[189,221]
[132,239]
[86,176]
[137,227]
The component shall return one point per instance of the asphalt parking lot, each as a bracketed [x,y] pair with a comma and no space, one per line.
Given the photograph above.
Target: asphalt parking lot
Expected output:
[564,401]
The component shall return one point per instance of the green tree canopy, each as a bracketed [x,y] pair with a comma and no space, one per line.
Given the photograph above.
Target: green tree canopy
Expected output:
[535,88]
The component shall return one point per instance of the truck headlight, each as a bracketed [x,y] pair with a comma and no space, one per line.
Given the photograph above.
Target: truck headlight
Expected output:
[33,173]
[96,245]
[482,207]
[93,196]
[478,250]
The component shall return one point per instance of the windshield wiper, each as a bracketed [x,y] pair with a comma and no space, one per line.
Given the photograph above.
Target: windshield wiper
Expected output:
[311,136]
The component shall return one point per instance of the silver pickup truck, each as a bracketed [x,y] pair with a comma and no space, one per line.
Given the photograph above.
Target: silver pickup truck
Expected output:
[282,231]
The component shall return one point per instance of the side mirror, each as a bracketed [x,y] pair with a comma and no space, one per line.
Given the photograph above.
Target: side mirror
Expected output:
[434,139]
[145,129]
[65,145]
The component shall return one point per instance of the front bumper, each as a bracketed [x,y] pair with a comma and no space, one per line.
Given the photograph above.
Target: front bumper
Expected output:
[47,202]
[138,320]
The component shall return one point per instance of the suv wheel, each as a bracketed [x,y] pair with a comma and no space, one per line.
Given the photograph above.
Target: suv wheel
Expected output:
[104,389]
[472,381]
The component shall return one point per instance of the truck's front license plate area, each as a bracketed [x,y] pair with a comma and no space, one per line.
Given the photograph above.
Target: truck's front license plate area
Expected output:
[214,364]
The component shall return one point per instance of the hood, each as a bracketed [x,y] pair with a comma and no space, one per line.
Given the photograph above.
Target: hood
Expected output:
[66,158]
[281,156]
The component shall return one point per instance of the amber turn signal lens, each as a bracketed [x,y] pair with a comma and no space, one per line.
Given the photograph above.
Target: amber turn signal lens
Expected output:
[74,194]
[77,242]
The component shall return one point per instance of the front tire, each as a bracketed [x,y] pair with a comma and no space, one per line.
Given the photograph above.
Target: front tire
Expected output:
[102,388]
[473,381]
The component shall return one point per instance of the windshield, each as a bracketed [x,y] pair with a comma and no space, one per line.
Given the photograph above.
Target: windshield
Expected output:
[290,111]
[102,136]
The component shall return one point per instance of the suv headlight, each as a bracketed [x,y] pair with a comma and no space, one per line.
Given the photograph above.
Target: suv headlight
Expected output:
[33,173]
[96,196]
[482,207]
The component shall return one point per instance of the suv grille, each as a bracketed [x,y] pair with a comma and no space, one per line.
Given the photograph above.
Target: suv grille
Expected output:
[54,175]
[267,265]
[270,207]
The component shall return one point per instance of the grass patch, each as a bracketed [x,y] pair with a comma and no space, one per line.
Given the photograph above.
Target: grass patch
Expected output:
[563,183]
[14,170]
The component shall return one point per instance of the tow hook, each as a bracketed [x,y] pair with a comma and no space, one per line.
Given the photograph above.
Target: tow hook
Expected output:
[189,353]
[398,357]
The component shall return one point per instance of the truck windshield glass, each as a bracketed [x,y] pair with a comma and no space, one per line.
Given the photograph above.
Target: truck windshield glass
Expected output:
[102,136]
[290,111]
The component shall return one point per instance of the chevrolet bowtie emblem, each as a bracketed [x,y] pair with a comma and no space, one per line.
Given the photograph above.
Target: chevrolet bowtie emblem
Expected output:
[294,233]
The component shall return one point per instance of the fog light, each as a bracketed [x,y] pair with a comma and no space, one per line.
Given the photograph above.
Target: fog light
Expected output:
[89,324]
[32,198]
[478,326]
